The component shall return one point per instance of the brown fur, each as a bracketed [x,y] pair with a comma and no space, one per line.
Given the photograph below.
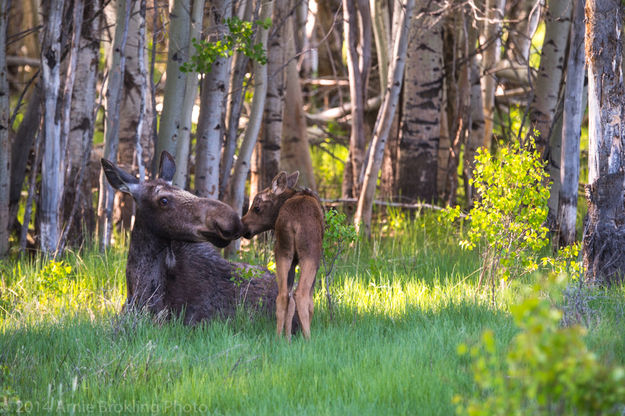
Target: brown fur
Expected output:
[298,220]
[171,266]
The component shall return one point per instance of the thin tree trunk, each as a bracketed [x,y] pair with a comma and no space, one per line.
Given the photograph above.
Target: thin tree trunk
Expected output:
[175,86]
[21,146]
[183,137]
[525,18]
[52,180]
[419,131]
[382,34]
[233,109]
[362,217]
[295,151]
[5,145]
[357,29]
[571,131]
[265,163]
[242,166]
[476,132]
[114,95]
[210,126]
[490,57]
[82,114]
[605,233]
[548,82]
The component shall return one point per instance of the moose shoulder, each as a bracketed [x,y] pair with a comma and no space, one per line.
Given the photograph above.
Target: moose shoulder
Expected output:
[172,264]
[297,217]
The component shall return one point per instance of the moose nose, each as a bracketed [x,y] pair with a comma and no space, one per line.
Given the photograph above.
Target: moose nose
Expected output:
[230,226]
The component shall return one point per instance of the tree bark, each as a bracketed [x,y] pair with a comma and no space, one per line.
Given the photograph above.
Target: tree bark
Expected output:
[419,131]
[362,217]
[548,81]
[114,93]
[183,136]
[5,145]
[52,180]
[210,125]
[175,85]
[242,166]
[265,163]
[357,28]
[490,57]
[295,151]
[82,120]
[605,233]
[571,131]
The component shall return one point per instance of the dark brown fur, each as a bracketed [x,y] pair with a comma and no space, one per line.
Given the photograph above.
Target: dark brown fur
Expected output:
[298,220]
[171,265]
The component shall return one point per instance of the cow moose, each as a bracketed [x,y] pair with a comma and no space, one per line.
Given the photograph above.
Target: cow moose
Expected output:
[172,265]
[298,220]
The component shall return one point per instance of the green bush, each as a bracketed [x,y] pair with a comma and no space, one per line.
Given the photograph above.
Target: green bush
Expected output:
[506,221]
[547,370]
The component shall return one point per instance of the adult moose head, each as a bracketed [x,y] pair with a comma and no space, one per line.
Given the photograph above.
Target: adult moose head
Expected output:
[171,264]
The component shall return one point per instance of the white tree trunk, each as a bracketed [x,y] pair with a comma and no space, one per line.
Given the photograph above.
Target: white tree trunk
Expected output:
[52,168]
[242,166]
[210,127]
[265,163]
[490,57]
[362,217]
[183,137]
[605,232]
[571,131]
[5,146]
[114,93]
[175,85]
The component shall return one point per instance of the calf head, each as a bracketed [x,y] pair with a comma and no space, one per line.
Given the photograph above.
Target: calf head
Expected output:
[173,213]
[266,205]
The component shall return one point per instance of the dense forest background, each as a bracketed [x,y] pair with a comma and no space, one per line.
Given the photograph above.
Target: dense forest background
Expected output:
[383,100]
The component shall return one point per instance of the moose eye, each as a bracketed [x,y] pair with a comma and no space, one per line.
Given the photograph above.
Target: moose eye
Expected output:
[256,210]
[163,201]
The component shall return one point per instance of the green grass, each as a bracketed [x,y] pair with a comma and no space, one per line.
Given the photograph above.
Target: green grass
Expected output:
[402,305]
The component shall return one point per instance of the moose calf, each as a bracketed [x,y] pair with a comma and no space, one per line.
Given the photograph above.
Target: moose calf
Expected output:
[297,218]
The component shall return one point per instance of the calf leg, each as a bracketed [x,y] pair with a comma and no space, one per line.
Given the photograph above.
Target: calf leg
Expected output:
[303,294]
[283,263]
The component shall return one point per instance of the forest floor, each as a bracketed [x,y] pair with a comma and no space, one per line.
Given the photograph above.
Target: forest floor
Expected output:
[402,305]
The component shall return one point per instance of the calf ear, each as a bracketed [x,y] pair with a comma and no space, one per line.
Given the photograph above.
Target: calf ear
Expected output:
[291,180]
[118,178]
[167,167]
[278,185]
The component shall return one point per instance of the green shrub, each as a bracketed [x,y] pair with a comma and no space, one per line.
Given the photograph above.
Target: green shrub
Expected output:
[547,370]
[506,221]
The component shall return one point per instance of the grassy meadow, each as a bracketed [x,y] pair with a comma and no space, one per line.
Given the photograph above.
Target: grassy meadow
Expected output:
[402,304]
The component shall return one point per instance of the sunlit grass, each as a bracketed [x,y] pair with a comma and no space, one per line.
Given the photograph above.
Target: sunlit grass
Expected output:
[402,304]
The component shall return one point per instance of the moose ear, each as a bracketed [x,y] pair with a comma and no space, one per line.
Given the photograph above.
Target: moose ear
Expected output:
[119,179]
[278,185]
[167,167]
[291,180]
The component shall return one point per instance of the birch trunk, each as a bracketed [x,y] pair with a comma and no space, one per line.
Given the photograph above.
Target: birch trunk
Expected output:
[265,163]
[52,168]
[419,131]
[114,92]
[362,217]
[183,136]
[571,131]
[210,126]
[5,146]
[233,109]
[605,236]
[242,166]
[548,81]
[133,114]
[490,57]
[357,29]
[175,85]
